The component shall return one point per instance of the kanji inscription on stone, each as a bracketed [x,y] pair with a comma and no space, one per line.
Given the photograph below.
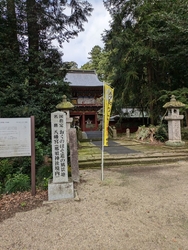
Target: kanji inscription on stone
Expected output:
[59,147]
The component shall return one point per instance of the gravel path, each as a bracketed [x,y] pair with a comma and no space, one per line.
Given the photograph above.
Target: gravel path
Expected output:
[133,208]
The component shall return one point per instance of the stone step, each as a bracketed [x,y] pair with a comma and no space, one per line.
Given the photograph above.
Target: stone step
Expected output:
[91,157]
[95,161]
[128,152]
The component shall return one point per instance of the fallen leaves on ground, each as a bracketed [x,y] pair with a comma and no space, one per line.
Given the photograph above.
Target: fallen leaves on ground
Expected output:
[10,204]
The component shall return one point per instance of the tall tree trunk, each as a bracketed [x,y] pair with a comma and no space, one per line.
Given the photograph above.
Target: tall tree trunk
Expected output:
[33,40]
[186,117]
[149,76]
[12,22]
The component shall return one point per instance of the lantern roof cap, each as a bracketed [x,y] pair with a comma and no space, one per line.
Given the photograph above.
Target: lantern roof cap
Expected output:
[64,105]
[173,103]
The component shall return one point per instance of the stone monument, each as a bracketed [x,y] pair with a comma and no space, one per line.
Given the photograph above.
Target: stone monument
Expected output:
[174,126]
[60,187]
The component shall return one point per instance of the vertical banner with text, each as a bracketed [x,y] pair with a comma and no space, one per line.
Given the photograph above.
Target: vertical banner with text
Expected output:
[108,99]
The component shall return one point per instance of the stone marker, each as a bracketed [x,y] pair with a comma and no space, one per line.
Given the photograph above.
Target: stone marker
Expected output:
[59,147]
[114,132]
[128,133]
[74,155]
[59,188]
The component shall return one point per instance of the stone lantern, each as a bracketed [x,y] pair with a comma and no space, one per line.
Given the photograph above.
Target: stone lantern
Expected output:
[174,118]
[66,106]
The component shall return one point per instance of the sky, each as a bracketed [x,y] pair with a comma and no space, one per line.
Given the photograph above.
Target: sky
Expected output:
[78,48]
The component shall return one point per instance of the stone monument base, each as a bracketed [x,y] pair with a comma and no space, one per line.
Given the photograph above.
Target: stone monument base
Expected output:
[60,191]
[175,143]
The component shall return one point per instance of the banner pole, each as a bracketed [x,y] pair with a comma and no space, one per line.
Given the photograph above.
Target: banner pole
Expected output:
[102,148]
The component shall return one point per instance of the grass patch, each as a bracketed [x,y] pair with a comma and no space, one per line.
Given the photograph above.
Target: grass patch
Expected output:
[107,182]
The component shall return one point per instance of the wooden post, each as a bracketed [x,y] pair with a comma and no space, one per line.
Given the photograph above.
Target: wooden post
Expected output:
[33,174]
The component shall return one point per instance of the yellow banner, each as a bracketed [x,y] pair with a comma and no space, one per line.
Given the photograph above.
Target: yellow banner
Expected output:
[108,99]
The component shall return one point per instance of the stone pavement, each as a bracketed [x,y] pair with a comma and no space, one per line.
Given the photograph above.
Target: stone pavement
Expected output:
[115,148]
[112,148]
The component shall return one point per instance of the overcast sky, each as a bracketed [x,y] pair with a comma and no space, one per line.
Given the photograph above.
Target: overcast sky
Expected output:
[77,49]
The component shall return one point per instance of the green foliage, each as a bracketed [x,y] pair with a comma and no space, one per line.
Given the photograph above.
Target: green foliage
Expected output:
[98,60]
[44,183]
[26,38]
[184,134]
[39,158]
[23,204]
[18,182]
[18,167]
[32,71]
[6,169]
[44,174]
[23,164]
[44,171]
[161,133]
[147,45]
[1,187]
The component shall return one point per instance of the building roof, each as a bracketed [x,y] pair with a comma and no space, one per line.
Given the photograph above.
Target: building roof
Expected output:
[83,78]
[130,113]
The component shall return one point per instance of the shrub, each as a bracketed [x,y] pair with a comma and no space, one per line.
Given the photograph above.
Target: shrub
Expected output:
[44,183]
[161,133]
[39,153]
[23,164]
[44,171]
[18,182]
[184,134]
[44,174]
[1,187]
[5,169]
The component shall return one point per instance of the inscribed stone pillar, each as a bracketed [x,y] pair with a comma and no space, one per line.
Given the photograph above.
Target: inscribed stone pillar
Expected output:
[59,147]
[59,188]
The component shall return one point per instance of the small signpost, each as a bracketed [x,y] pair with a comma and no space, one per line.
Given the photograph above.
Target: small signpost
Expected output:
[17,138]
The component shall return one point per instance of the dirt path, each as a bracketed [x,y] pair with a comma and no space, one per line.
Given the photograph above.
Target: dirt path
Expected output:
[133,208]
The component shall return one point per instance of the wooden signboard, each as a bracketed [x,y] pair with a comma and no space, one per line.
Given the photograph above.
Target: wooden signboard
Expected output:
[17,138]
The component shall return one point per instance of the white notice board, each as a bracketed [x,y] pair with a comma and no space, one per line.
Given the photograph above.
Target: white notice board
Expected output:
[15,137]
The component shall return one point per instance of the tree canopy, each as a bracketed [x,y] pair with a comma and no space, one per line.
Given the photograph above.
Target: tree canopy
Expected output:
[98,61]
[31,66]
[147,43]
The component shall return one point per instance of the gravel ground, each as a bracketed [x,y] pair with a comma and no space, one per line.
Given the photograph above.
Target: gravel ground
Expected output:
[133,208]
